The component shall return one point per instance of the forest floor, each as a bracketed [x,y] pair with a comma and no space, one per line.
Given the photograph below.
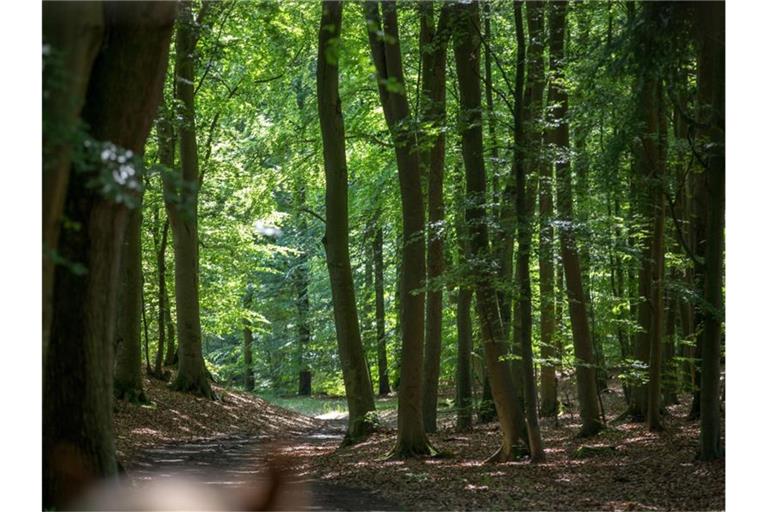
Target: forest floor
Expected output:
[228,444]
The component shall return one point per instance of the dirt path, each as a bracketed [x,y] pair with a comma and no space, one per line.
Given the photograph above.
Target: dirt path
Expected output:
[232,465]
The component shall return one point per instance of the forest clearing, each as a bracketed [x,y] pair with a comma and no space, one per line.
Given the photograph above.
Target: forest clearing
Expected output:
[379,255]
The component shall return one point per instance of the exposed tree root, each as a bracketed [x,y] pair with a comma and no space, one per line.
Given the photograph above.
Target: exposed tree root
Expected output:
[199,387]
[132,395]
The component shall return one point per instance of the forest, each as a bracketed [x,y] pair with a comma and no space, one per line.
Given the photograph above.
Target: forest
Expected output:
[379,255]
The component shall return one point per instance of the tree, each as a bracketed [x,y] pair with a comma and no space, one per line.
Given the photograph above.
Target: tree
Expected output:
[181,204]
[123,93]
[433,43]
[466,50]
[72,34]
[381,336]
[354,367]
[558,99]
[128,381]
[528,144]
[384,42]
[248,341]
[710,29]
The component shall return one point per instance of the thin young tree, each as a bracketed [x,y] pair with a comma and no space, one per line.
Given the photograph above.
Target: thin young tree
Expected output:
[123,92]
[353,364]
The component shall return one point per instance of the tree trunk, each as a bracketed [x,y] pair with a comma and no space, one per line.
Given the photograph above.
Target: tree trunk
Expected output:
[72,33]
[128,382]
[354,367]
[302,310]
[464,359]
[123,93]
[192,376]
[411,437]
[527,145]
[162,296]
[467,49]
[582,341]
[381,336]
[433,44]
[710,24]
[248,342]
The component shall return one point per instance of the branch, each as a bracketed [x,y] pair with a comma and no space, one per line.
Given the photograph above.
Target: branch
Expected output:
[312,213]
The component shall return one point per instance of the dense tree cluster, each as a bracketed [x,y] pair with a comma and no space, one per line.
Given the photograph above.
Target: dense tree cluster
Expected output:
[310,198]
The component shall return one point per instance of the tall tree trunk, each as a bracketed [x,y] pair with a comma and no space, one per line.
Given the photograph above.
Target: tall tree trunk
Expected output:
[72,34]
[710,24]
[582,341]
[381,335]
[128,382]
[411,437]
[354,367]
[657,164]
[467,49]
[248,342]
[527,144]
[433,44]
[302,310]
[464,359]
[669,380]
[192,376]
[464,321]
[162,296]
[123,93]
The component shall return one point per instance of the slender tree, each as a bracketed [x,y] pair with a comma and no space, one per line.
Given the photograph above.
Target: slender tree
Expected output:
[354,367]
[558,99]
[123,93]
[434,42]
[381,336]
[248,341]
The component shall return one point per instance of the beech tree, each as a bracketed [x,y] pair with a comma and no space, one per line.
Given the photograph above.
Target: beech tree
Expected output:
[181,204]
[467,51]
[582,341]
[383,38]
[354,367]
[123,92]
[433,42]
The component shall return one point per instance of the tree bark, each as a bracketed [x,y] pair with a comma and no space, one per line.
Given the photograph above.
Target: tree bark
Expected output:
[385,50]
[467,49]
[162,296]
[302,310]
[247,342]
[128,382]
[192,375]
[123,93]
[381,337]
[527,146]
[582,341]
[354,367]
[710,24]
[72,34]
[433,48]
